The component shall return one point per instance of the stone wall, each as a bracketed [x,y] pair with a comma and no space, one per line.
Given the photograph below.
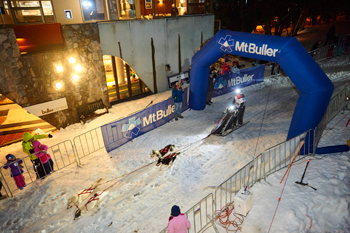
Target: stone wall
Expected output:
[30,79]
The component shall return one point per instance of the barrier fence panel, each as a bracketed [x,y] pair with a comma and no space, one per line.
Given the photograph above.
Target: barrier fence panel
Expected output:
[329,51]
[200,215]
[336,104]
[88,142]
[62,155]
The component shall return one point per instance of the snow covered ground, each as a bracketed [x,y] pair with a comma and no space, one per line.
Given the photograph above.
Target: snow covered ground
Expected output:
[141,201]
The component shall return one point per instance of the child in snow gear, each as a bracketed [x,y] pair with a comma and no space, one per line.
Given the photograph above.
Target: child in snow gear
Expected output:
[45,158]
[16,170]
[178,222]
[27,147]
[239,102]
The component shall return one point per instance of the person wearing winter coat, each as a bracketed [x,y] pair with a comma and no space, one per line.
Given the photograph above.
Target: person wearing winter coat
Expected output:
[330,35]
[178,223]
[225,68]
[235,69]
[177,96]
[27,147]
[239,102]
[45,158]
[210,90]
[16,170]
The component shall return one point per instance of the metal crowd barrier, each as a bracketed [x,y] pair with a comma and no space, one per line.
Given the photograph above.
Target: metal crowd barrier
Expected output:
[62,155]
[88,143]
[200,215]
[329,51]
[336,104]
[270,161]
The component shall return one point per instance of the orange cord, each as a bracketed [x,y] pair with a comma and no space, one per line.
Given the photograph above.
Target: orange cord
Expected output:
[311,221]
[224,214]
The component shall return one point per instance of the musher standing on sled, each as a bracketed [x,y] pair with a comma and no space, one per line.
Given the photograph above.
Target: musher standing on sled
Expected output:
[239,102]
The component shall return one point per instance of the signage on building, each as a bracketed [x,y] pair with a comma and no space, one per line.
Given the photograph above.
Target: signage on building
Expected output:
[183,77]
[68,14]
[48,107]
[148,4]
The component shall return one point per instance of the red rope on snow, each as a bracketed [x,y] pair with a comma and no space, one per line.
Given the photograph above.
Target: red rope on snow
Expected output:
[311,221]
[224,214]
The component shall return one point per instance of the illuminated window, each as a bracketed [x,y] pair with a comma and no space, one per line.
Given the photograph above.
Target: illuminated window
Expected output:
[30,11]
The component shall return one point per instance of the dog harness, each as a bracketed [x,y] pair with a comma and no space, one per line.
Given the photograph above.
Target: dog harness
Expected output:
[169,156]
[94,198]
[87,191]
[165,149]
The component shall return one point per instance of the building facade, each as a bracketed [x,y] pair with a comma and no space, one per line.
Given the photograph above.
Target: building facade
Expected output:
[85,51]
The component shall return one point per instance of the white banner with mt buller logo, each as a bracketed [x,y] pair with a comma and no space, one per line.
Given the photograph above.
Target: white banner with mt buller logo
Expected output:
[122,131]
[229,82]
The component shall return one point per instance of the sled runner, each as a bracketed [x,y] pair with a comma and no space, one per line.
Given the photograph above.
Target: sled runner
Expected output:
[231,130]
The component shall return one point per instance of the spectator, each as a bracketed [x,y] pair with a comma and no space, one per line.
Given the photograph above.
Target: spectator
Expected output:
[177,96]
[45,158]
[314,47]
[178,223]
[227,57]
[16,170]
[27,147]
[225,68]
[210,90]
[330,34]
[235,69]
[256,62]
[238,65]
[174,10]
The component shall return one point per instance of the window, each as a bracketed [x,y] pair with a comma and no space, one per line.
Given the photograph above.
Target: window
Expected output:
[118,83]
[30,11]
[93,10]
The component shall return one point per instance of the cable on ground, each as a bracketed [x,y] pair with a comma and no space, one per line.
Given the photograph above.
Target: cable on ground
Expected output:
[223,216]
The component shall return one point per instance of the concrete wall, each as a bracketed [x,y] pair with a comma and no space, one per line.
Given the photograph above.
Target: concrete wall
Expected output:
[60,5]
[135,41]
[29,79]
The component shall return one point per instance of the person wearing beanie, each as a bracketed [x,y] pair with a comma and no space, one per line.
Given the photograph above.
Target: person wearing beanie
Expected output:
[27,146]
[16,170]
[178,223]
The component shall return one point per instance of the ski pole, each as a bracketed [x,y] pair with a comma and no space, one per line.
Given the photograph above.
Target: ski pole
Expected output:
[305,171]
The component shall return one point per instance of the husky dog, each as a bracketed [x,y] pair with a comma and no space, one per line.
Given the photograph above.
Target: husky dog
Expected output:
[78,198]
[93,202]
[163,152]
[165,158]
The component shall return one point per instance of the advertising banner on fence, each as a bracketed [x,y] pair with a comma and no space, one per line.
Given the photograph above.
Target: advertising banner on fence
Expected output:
[120,132]
[246,77]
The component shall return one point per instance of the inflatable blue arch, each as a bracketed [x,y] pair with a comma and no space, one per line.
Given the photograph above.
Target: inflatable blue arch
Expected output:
[315,87]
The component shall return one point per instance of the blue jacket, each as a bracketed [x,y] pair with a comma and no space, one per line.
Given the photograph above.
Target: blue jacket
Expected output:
[177,95]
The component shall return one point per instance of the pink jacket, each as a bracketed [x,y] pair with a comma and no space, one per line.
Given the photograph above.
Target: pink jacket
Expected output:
[38,147]
[178,224]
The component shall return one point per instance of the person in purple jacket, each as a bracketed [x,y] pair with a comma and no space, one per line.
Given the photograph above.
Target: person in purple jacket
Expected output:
[16,170]
[178,223]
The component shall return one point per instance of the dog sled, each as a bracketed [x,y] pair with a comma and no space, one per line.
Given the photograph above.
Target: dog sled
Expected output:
[226,122]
